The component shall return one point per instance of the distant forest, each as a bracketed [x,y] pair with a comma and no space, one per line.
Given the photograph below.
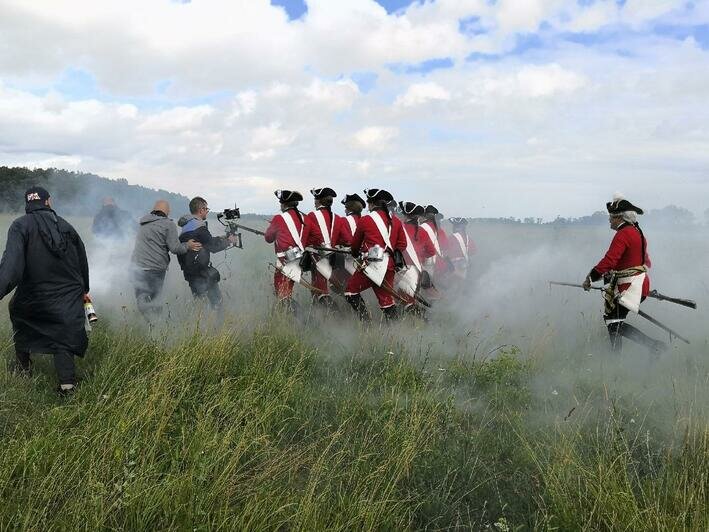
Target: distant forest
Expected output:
[670,215]
[80,194]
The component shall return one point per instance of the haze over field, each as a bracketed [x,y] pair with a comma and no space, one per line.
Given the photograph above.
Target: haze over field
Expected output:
[516,107]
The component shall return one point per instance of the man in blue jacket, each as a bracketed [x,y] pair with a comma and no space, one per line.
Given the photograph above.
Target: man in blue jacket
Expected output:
[197,268]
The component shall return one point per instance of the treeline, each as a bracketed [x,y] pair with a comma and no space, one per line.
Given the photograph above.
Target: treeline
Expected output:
[670,215]
[80,194]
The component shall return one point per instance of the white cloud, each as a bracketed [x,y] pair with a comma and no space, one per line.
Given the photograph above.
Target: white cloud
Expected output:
[253,102]
[421,93]
[375,138]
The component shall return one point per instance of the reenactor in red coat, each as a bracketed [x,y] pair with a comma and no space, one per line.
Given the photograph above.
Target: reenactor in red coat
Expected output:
[460,247]
[378,243]
[323,225]
[624,269]
[419,247]
[346,226]
[288,232]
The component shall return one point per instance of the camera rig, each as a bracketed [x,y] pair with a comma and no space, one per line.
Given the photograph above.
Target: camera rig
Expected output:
[229,219]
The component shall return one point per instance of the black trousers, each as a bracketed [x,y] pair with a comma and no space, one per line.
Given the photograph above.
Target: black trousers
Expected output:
[148,287]
[206,288]
[63,365]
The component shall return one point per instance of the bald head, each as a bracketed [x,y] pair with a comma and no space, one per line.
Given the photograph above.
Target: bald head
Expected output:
[162,206]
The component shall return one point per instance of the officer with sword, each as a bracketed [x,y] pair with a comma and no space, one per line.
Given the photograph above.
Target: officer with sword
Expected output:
[624,271]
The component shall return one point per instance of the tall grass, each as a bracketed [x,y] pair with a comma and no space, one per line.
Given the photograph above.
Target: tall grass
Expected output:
[259,430]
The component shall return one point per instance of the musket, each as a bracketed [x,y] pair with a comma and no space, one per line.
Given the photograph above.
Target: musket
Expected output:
[250,229]
[653,294]
[671,332]
[388,289]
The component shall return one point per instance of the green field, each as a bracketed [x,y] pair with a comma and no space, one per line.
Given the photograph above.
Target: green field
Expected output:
[505,412]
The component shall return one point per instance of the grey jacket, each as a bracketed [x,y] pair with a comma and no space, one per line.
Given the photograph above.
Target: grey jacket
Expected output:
[157,236]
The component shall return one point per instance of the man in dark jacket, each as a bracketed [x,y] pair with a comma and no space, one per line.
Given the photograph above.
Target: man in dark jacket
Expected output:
[197,268]
[45,261]
[111,221]
[156,239]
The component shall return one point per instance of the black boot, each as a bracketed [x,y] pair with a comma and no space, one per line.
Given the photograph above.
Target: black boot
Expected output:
[360,307]
[391,314]
[326,302]
[616,336]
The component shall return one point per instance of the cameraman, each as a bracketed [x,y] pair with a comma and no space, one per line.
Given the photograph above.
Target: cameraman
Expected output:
[197,268]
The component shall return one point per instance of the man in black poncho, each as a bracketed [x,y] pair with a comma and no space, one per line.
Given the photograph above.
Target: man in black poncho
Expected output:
[46,261]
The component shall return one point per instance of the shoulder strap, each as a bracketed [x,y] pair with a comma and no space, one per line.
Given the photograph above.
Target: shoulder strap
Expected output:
[290,224]
[462,243]
[411,250]
[326,235]
[353,223]
[382,229]
[433,236]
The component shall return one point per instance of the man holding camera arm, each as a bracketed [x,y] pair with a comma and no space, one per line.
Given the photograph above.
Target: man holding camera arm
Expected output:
[197,268]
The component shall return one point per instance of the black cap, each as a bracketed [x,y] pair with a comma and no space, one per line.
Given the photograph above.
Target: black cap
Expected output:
[324,192]
[378,194]
[620,205]
[37,194]
[353,197]
[430,209]
[286,196]
[410,208]
[458,221]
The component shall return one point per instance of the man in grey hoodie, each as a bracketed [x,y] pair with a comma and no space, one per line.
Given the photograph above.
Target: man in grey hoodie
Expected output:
[156,239]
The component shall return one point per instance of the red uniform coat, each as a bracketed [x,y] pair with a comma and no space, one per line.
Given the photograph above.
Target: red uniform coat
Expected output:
[278,233]
[455,251]
[422,243]
[315,236]
[343,230]
[626,251]
[368,236]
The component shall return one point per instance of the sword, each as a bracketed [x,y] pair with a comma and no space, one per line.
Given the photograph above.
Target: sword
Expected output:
[672,333]
[653,294]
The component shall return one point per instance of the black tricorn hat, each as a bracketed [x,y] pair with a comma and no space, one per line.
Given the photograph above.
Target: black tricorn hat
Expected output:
[430,209]
[378,194]
[324,192]
[410,208]
[458,221]
[285,196]
[620,205]
[353,197]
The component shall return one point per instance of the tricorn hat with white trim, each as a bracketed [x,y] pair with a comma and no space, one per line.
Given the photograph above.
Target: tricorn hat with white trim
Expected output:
[324,192]
[353,197]
[410,208]
[458,221]
[430,209]
[286,196]
[378,194]
[620,205]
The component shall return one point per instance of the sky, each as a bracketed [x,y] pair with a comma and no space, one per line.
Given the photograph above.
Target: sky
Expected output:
[481,107]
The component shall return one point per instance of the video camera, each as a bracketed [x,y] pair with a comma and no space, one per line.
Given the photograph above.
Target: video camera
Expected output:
[228,218]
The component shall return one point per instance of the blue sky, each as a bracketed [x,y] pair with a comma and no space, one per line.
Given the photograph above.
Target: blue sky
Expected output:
[577,98]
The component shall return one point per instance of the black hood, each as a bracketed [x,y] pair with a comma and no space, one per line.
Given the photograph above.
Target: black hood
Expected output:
[48,225]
